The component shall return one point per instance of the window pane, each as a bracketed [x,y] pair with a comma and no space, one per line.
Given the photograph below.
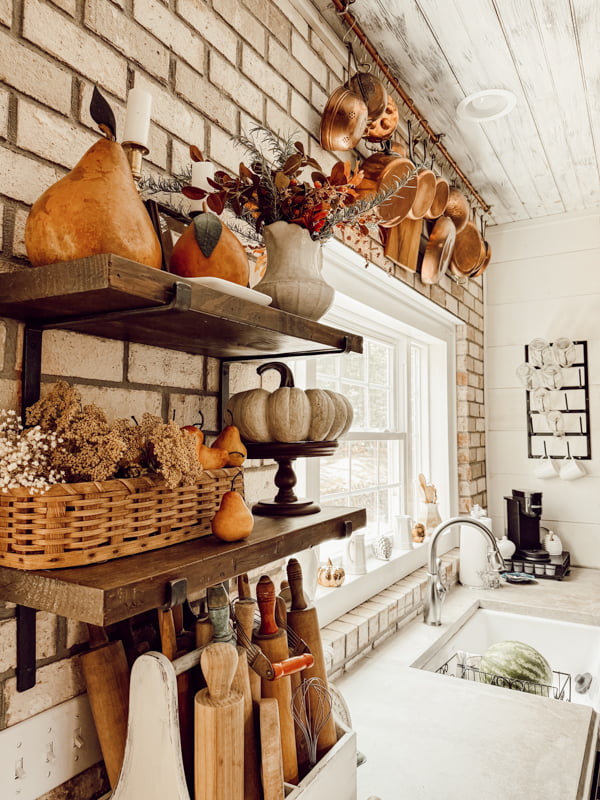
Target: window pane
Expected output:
[335,472]
[379,364]
[357,394]
[379,410]
[363,473]
[353,367]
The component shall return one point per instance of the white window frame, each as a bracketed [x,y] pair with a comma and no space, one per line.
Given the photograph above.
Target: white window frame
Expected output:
[352,276]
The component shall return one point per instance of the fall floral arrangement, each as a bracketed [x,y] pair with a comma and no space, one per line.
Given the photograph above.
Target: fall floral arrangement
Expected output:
[274,186]
[66,441]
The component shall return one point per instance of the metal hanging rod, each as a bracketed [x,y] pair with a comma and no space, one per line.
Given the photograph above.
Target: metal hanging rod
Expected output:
[341,7]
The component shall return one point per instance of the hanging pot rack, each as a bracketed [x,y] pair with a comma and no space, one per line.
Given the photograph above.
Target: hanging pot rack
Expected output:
[341,7]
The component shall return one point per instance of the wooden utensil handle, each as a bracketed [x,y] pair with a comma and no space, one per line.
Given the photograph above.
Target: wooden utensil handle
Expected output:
[265,597]
[243,586]
[219,663]
[292,665]
[294,573]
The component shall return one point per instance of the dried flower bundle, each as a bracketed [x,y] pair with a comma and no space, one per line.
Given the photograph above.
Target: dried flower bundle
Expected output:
[26,455]
[90,448]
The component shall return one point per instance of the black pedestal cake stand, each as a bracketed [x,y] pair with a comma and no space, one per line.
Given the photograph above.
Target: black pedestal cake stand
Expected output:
[285,503]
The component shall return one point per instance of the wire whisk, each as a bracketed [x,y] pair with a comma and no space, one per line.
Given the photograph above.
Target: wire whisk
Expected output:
[311,708]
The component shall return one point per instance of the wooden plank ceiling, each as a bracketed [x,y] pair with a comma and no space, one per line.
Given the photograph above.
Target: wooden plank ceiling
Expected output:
[544,157]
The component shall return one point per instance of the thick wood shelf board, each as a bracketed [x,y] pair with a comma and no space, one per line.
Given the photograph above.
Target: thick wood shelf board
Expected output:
[101,594]
[216,324]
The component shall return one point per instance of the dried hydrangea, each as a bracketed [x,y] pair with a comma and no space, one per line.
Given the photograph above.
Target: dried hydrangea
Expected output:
[26,455]
[171,451]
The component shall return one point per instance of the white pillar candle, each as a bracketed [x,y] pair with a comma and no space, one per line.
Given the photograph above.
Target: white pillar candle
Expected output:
[137,117]
[201,170]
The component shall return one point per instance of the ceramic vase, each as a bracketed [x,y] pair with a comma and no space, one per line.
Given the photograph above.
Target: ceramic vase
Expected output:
[293,274]
[429,516]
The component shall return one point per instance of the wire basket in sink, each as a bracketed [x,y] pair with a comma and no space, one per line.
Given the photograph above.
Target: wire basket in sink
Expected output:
[466,666]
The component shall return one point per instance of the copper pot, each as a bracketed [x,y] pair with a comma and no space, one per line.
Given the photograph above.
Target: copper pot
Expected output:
[469,250]
[343,120]
[457,208]
[372,91]
[426,186]
[440,199]
[382,128]
[438,251]
[481,268]
[381,171]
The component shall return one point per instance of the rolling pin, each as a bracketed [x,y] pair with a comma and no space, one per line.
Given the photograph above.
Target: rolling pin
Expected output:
[217,601]
[241,684]
[273,641]
[168,640]
[219,727]
[106,674]
[305,622]
[244,612]
[270,750]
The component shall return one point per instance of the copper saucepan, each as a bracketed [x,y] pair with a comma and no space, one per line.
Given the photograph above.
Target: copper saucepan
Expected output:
[469,250]
[372,91]
[381,171]
[457,208]
[438,251]
[343,120]
[440,199]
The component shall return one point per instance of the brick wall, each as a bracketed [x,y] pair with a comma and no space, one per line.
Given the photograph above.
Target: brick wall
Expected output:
[214,67]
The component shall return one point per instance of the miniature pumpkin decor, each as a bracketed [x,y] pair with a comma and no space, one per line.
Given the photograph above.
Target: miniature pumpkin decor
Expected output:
[331,576]
[208,249]
[95,208]
[233,521]
[289,414]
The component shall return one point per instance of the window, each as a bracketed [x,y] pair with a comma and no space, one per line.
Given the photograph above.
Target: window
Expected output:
[402,391]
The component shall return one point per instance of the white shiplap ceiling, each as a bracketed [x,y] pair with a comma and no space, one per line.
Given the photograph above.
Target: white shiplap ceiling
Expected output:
[544,157]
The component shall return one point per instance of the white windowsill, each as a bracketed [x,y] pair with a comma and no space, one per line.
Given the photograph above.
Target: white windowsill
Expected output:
[335,602]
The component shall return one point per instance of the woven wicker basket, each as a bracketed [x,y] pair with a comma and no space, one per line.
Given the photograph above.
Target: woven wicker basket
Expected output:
[83,523]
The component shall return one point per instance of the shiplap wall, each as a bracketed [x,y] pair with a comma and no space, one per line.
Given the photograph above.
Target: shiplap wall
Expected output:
[545,282]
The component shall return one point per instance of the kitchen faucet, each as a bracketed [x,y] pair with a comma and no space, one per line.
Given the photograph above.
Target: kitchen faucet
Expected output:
[436,589]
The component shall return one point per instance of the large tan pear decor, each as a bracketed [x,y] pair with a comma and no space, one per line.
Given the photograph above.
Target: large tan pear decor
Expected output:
[93,209]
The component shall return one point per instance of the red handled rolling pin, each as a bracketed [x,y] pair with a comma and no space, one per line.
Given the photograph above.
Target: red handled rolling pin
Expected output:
[219,773]
[106,674]
[305,622]
[273,641]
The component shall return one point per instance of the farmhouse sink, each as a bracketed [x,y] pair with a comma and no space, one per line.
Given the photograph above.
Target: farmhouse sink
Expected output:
[572,649]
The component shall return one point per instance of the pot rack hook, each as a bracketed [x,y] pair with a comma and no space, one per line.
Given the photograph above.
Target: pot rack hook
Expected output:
[350,27]
[345,6]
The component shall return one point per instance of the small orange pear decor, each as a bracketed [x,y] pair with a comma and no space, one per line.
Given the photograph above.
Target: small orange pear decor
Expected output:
[229,439]
[233,521]
[95,208]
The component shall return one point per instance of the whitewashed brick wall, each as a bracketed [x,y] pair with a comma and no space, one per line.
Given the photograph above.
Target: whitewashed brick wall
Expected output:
[213,68]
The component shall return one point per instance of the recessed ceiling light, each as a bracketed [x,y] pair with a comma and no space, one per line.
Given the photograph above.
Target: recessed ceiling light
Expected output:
[486,105]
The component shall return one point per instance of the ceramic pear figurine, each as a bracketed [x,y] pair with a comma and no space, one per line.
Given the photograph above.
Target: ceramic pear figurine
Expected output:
[552,544]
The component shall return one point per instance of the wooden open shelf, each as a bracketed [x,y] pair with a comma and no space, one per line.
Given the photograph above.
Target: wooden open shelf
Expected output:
[102,594]
[115,298]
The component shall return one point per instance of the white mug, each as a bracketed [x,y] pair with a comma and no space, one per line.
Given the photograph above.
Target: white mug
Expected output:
[545,468]
[571,469]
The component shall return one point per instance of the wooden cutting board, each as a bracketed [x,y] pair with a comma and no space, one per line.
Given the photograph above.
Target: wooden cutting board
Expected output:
[152,767]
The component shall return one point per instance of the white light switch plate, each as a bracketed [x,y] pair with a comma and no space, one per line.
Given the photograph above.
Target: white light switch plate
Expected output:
[46,750]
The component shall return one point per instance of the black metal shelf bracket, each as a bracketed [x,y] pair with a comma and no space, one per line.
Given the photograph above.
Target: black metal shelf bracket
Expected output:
[224,393]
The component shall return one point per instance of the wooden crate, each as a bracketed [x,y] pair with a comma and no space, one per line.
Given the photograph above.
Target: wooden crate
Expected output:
[73,524]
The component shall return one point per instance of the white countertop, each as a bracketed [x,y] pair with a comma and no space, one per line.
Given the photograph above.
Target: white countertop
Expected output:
[429,737]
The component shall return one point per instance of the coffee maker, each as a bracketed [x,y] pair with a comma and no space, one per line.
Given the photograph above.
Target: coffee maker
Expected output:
[523,514]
